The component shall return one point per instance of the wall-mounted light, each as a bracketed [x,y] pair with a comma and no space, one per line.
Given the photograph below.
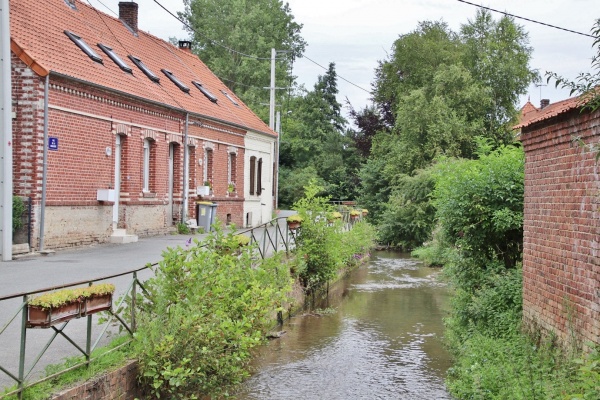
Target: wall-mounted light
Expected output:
[108,151]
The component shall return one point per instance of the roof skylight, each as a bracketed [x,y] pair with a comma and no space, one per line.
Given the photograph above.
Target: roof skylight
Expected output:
[176,81]
[84,46]
[144,69]
[113,56]
[230,98]
[205,92]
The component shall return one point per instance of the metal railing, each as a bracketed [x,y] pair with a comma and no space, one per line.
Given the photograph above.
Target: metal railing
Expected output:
[268,238]
[71,330]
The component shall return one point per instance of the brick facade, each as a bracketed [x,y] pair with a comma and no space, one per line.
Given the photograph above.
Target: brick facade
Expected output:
[561,257]
[85,121]
[126,111]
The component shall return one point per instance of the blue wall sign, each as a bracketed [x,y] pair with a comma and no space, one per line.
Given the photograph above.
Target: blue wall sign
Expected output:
[52,143]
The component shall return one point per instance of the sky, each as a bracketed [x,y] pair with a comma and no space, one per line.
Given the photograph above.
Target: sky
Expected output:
[357,34]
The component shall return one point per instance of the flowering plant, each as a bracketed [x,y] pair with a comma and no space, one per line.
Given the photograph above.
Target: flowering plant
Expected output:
[66,296]
[231,187]
[294,218]
[208,183]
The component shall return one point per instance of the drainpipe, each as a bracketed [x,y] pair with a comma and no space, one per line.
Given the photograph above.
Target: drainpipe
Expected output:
[44,165]
[185,170]
[117,186]
[278,130]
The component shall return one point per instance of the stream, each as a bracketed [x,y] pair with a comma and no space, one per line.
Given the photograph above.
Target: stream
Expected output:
[378,335]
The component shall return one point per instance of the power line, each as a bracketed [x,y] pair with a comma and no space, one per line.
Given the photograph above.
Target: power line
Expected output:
[339,76]
[246,55]
[105,6]
[528,19]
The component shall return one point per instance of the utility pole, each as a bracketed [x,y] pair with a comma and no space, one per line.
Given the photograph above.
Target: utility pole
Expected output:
[272,90]
[6,179]
[278,130]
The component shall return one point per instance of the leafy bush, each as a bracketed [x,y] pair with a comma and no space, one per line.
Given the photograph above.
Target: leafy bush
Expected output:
[513,367]
[18,210]
[183,229]
[479,204]
[409,215]
[210,309]
[322,248]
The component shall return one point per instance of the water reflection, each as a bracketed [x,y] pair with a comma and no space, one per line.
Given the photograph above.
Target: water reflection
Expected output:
[383,342]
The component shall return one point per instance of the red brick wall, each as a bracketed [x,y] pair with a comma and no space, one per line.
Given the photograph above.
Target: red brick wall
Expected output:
[28,133]
[561,264]
[117,385]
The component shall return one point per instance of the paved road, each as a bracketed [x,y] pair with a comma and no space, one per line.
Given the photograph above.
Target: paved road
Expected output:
[65,267]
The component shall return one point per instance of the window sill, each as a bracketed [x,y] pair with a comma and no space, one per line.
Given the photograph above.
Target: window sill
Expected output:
[148,195]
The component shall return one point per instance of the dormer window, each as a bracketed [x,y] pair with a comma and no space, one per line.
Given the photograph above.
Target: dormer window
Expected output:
[235,103]
[71,4]
[84,46]
[205,92]
[176,81]
[144,69]
[113,56]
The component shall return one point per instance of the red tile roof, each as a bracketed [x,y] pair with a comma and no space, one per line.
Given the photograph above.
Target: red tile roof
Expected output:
[38,38]
[530,114]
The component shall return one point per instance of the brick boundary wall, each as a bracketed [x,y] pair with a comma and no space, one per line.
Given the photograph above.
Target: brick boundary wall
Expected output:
[120,384]
[561,245]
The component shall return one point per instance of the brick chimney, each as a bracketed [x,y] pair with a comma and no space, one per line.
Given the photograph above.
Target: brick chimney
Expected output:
[544,103]
[128,13]
[185,45]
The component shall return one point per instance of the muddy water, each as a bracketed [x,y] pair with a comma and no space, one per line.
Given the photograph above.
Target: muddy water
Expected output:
[379,337]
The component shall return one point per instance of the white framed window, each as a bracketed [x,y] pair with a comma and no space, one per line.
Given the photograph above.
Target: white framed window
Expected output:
[207,167]
[146,166]
[252,175]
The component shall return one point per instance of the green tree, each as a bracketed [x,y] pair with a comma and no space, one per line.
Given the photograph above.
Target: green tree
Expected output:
[586,84]
[313,139]
[438,91]
[498,55]
[414,60]
[234,39]
[408,218]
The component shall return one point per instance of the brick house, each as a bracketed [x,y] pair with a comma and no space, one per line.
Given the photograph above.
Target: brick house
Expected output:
[134,126]
[561,249]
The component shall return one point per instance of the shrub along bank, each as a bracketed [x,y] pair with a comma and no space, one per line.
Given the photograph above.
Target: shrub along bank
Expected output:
[212,305]
[478,240]
[323,248]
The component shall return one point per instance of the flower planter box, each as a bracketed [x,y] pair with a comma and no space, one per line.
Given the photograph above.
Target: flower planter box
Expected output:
[38,317]
[52,308]
[95,304]
[293,225]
